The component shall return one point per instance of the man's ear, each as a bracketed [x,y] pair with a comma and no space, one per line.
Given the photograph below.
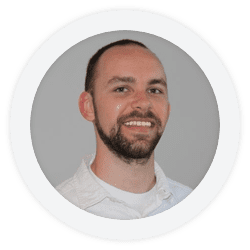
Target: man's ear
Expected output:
[86,106]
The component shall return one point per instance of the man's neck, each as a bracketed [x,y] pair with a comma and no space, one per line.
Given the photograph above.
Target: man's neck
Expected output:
[134,177]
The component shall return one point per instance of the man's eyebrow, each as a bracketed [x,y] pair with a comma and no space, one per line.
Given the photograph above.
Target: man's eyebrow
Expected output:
[130,79]
[158,81]
[124,79]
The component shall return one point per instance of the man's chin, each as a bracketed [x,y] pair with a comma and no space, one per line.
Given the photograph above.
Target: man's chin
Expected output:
[138,149]
[127,146]
[138,140]
[138,154]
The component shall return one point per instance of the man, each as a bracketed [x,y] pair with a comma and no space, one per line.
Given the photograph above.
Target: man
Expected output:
[126,99]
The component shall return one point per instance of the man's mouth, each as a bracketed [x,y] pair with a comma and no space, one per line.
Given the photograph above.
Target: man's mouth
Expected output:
[138,124]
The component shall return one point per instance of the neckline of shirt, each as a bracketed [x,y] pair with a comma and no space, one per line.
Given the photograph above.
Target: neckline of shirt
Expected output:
[128,197]
[161,186]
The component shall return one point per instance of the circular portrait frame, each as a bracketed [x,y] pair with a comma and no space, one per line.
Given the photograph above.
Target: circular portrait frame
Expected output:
[112,21]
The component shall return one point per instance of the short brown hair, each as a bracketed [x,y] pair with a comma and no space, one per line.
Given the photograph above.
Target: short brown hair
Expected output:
[91,69]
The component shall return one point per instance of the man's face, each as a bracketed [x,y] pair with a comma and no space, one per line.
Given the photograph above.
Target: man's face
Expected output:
[130,101]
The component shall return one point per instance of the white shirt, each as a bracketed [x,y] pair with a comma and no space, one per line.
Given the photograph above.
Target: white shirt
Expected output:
[138,202]
[91,195]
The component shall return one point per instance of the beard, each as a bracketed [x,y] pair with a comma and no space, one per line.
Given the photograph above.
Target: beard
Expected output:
[140,148]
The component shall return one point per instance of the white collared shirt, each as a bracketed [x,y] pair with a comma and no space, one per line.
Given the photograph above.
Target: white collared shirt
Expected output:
[87,193]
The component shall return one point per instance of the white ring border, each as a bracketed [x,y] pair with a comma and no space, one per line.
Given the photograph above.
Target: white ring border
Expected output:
[137,21]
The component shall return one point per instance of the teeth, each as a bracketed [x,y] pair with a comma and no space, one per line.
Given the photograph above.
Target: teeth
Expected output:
[135,123]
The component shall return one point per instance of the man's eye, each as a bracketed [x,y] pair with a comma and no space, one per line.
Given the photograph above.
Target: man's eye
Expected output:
[155,91]
[121,89]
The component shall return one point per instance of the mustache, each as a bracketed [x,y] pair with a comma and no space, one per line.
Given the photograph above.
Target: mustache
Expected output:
[137,114]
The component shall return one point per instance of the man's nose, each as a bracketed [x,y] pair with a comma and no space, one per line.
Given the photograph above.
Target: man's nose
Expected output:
[141,101]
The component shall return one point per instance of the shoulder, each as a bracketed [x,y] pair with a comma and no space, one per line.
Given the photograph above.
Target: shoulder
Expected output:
[68,190]
[178,190]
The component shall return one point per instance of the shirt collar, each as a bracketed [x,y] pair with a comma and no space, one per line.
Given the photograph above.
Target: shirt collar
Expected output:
[89,192]
[162,185]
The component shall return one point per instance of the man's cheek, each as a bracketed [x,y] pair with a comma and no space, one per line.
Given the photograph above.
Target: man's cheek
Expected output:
[118,107]
[100,109]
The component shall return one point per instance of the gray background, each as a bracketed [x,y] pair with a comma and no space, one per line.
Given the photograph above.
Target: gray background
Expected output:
[61,136]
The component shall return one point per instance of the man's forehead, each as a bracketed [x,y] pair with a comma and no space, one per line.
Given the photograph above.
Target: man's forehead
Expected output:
[127,52]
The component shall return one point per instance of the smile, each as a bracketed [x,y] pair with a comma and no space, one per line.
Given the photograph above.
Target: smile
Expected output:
[138,123]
